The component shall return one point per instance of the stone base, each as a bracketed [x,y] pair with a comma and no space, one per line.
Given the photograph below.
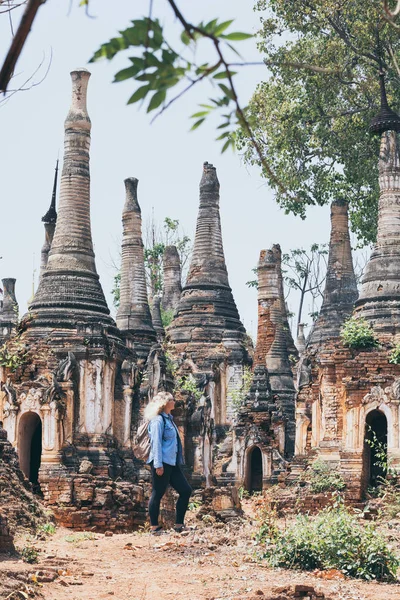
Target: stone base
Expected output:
[6,538]
[86,501]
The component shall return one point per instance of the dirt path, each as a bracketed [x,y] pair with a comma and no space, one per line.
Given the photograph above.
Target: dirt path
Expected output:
[206,564]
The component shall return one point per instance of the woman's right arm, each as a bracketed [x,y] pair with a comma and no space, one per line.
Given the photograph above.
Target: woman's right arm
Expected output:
[156,435]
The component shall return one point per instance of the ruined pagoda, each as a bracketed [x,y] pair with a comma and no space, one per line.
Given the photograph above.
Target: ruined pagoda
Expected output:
[206,315]
[69,289]
[133,316]
[271,349]
[340,291]
[379,301]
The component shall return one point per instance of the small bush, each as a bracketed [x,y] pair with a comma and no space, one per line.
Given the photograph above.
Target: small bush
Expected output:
[48,528]
[323,478]
[357,333]
[394,356]
[334,539]
[29,554]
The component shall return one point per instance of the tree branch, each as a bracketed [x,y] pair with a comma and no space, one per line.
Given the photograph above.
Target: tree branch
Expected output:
[18,42]
[190,29]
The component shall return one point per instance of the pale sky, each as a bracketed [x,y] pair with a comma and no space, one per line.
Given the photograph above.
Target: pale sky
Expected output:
[165,157]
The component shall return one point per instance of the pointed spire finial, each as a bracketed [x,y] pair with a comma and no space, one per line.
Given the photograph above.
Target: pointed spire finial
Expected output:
[386,119]
[51,215]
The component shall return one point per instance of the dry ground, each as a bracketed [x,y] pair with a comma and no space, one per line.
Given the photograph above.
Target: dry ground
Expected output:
[211,562]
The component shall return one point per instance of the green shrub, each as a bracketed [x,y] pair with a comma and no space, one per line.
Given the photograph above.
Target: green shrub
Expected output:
[334,539]
[48,528]
[188,385]
[357,333]
[29,554]
[323,478]
[394,356]
[167,317]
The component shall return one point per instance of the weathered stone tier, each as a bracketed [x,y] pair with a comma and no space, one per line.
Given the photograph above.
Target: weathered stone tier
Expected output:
[379,300]
[207,314]
[271,349]
[340,291]
[172,279]
[134,315]
[69,289]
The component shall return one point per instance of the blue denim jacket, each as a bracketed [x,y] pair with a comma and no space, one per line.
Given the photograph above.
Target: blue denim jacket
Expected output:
[166,446]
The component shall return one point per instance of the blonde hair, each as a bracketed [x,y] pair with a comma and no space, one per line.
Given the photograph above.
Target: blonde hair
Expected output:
[157,405]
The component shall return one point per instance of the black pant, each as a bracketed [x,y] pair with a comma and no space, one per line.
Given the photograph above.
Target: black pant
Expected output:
[172,475]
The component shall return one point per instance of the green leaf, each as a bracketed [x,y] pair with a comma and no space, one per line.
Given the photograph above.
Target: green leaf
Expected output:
[202,113]
[221,27]
[224,74]
[234,50]
[125,74]
[157,99]
[226,146]
[185,38]
[197,124]
[223,135]
[237,36]
[139,94]
[227,91]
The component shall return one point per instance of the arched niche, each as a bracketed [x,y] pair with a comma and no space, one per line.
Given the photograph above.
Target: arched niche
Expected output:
[254,470]
[30,445]
[375,447]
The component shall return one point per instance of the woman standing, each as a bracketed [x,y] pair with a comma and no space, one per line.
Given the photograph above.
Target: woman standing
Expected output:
[165,459]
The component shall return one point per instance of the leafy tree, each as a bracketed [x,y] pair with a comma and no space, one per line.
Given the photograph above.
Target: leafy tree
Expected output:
[156,240]
[311,116]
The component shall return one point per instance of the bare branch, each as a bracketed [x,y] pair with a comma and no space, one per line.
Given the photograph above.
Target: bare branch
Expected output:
[389,12]
[23,87]
[18,42]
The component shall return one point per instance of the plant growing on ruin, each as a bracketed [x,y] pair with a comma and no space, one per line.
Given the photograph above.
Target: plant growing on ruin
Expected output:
[323,478]
[166,317]
[13,355]
[335,538]
[187,384]
[394,356]
[238,395]
[357,333]
[29,554]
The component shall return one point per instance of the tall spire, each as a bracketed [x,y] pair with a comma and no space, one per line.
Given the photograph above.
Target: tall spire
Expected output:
[379,300]
[271,348]
[172,279]
[207,313]
[290,345]
[69,289]
[340,291]
[156,317]
[49,220]
[133,314]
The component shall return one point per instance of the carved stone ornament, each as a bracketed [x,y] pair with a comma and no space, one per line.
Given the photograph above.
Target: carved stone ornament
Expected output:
[67,368]
[11,392]
[33,399]
[390,395]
